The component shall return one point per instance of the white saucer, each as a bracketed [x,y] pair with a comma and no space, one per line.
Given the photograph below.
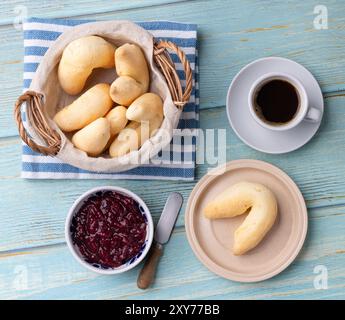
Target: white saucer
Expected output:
[244,125]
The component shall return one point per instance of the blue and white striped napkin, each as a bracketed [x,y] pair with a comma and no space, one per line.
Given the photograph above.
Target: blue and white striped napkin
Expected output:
[177,164]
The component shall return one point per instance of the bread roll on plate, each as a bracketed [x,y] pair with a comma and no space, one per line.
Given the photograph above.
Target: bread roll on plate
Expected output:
[236,200]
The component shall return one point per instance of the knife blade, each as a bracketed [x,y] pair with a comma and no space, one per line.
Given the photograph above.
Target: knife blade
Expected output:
[162,235]
[168,218]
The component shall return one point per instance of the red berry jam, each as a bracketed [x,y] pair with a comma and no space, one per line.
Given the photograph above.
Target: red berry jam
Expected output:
[109,229]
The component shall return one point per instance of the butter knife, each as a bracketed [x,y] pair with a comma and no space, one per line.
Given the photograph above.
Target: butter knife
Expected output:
[162,235]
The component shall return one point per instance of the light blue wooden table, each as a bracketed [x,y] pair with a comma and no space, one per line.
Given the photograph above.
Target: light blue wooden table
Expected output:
[34,260]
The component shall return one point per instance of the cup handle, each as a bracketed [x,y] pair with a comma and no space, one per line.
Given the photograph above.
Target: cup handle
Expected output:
[313,115]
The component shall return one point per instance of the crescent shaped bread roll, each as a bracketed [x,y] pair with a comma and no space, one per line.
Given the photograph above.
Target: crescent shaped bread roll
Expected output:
[133,136]
[133,72]
[146,107]
[235,201]
[93,138]
[128,140]
[125,89]
[91,105]
[146,115]
[78,60]
[117,119]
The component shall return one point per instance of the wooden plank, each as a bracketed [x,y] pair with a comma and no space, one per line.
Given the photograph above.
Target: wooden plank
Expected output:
[52,273]
[10,10]
[33,222]
[227,42]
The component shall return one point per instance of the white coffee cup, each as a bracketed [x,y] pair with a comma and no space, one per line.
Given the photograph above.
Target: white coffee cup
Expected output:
[305,112]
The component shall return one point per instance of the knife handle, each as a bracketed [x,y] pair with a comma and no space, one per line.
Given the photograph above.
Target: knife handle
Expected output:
[148,271]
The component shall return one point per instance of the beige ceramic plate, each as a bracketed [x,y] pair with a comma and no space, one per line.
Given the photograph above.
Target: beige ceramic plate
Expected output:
[212,240]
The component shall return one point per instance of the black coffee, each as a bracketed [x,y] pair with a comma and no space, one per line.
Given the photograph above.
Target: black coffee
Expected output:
[277,101]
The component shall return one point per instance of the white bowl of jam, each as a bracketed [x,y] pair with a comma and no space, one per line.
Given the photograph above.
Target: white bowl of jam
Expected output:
[109,230]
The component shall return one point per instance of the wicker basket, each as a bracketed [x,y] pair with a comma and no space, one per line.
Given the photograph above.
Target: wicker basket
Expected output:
[43,136]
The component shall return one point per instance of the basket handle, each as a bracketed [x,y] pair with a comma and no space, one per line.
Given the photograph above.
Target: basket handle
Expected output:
[39,123]
[163,60]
